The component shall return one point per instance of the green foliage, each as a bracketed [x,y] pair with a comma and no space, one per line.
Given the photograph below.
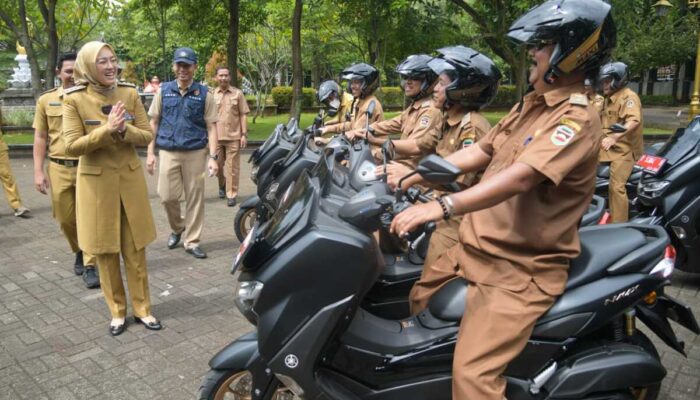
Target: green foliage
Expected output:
[390,96]
[18,117]
[282,96]
[506,97]
[658,100]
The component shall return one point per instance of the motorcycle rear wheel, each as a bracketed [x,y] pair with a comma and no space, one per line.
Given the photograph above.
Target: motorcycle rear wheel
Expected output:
[243,223]
[235,385]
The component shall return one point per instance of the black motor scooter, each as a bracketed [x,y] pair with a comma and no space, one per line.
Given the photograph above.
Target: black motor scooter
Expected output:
[313,340]
[668,193]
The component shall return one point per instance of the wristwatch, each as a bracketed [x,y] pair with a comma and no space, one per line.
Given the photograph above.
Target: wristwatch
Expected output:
[214,157]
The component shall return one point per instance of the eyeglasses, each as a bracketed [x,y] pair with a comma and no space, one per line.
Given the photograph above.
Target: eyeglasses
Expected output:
[539,44]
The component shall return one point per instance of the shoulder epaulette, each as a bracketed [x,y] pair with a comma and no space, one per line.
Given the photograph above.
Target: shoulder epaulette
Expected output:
[120,83]
[74,89]
[466,119]
[49,91]
[578,99]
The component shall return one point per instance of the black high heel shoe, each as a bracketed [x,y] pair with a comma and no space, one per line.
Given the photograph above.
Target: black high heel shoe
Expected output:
[154,326]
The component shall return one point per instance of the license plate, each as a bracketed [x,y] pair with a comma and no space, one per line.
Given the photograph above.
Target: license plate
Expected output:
[651,164]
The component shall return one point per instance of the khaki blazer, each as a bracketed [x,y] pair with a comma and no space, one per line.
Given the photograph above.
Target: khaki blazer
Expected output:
[110,175]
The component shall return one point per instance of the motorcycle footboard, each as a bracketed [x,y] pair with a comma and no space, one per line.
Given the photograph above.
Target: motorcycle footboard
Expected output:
[656,317]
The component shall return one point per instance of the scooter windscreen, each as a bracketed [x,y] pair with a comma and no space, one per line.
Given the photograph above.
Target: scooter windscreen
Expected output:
[267,145]
[682,144]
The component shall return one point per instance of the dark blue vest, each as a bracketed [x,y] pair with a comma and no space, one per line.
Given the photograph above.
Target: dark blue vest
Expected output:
[182,125]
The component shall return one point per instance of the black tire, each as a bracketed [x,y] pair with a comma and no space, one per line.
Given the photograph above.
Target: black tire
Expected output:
[243,222]
[212,387]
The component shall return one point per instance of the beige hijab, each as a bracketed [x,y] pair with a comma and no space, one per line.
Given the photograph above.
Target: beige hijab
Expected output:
[85,72]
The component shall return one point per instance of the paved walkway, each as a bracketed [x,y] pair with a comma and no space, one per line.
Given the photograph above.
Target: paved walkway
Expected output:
[53,332]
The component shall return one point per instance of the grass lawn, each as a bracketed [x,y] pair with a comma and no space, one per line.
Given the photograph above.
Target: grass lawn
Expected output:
[265,125]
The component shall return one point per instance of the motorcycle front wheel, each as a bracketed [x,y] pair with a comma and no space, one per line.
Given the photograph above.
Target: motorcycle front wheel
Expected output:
[235,385]
[243,223]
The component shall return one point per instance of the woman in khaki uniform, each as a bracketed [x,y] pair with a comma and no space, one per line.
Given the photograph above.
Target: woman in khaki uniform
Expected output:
[103,121]
[467,82]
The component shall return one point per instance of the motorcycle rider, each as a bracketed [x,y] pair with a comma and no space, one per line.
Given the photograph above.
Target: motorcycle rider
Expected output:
[519,230]
[362,81]
[467,82]
[622,149]
[337,104]
[594,98]
[420,123]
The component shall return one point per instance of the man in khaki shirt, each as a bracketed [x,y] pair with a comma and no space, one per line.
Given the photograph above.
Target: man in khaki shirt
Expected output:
[419,124]
[62,170]
[232,133]
[621,150]
[183,116]
[520,225]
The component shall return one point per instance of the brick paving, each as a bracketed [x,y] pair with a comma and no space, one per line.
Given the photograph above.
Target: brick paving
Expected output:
[53,332]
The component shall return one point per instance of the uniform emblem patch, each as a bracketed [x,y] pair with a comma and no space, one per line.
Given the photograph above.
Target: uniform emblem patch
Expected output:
[467,142]
[424,121]
[630,103]
[562,135]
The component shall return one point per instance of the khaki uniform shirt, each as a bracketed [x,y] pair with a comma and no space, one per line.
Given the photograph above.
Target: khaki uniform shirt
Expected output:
[420,122]
[359,115]
[210,111]
[533,236]
[621,107]
[231,105]
[110,179]
[49,118]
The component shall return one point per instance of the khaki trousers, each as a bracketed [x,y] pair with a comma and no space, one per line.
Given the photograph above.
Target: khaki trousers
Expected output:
[495,328]
[136,276]
[62,185]
[8,181]
[620,170]
[433,278]
[181,174]
[229,153]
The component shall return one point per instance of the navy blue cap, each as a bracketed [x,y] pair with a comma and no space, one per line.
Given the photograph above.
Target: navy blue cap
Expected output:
[185,55]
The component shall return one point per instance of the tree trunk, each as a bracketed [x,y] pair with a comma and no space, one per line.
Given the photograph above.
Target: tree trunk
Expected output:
[640,88]
[37,87]
[48,12]
[297,71]
[520,70]
[166,65]
[650,82]
[232,45]
[674,87]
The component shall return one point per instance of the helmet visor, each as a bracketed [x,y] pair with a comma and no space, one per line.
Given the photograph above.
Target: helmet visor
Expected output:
[439,66]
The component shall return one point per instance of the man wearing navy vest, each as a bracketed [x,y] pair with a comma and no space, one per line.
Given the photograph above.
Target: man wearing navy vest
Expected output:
[183,116]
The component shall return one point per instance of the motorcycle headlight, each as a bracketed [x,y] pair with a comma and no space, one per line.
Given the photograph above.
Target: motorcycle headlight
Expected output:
[272,191]
[247,293]
[654,189]
[254,173]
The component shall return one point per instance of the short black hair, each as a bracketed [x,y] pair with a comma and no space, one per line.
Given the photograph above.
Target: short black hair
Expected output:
[65,57]
[220,67]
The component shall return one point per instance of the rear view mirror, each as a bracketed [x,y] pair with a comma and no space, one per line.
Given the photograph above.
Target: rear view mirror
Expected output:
[618,128]
[435,169]
[388,150]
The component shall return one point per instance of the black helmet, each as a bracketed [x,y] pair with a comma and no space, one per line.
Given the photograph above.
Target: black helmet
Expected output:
[582,30]
[324,92]
[365,73]
[618,71]
[416,67]
[474,76]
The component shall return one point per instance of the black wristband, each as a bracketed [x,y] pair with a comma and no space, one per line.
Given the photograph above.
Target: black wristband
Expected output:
[445,211]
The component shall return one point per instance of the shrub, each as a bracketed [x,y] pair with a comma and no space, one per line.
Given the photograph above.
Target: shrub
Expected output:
[18,118]
[282,96]
[390,96]
[505,98]
[658,100]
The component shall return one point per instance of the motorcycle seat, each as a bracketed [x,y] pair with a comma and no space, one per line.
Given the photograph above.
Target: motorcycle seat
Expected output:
[601,247]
